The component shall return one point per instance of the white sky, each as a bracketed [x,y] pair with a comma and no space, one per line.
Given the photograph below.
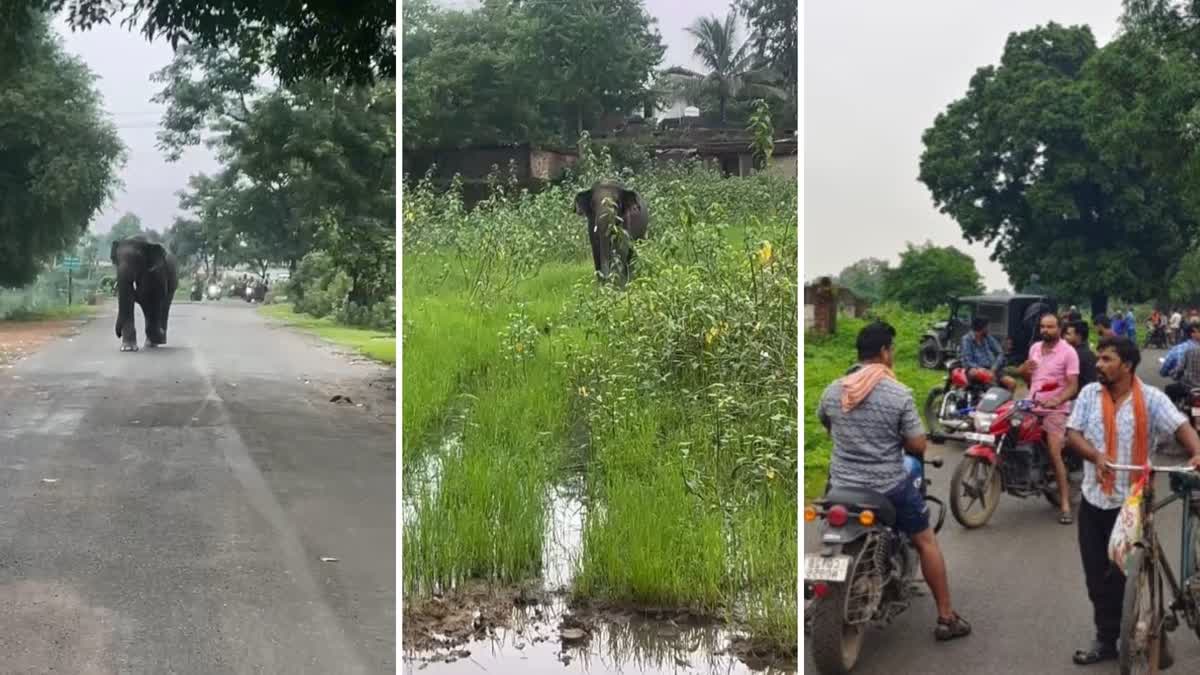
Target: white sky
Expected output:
[875,76]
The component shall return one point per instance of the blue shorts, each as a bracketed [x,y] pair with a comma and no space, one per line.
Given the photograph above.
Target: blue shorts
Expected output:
[912,515]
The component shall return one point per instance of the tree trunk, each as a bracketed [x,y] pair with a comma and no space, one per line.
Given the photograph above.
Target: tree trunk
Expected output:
[723,118]
[578,120]
[1099,304]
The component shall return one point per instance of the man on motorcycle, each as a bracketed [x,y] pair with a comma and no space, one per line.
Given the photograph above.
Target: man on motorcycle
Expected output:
[874,421]
[1172,365]
[1109,415]
[1054,361]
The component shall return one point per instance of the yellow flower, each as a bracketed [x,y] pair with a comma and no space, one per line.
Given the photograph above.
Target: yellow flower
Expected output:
[583,391]
[711,335]
[520,347]
[765,252]
[770,474]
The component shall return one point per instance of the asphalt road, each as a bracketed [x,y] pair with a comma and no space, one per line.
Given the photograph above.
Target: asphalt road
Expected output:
[1019,581]
[166,511]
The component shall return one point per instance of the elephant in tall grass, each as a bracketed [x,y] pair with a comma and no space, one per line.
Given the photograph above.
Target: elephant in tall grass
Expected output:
[616,218]
[148,275]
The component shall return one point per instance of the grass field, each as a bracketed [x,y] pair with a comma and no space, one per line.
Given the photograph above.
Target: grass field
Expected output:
[826,358]
[673,400]
[372,344]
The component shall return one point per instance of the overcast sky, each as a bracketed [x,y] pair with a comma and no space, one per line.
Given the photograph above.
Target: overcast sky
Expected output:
[123,61]
[875,76]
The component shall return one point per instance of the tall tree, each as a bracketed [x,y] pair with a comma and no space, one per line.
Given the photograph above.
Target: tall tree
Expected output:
[733,69]
[128,225]
[1012,163]
[928,274]
[350,41]
[590,57]
[775,31]
[58,154]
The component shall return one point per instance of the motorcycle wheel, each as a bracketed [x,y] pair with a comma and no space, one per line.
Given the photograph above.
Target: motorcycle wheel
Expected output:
[933,405]
[971,472]
[835,645]
[929,355]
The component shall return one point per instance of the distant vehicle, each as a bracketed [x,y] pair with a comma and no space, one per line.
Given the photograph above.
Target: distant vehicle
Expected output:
[1009,316]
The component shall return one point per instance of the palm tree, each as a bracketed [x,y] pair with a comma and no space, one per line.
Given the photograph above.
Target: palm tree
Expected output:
[733,71]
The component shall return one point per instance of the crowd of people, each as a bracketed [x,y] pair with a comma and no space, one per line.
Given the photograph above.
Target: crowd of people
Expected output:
[1096,406]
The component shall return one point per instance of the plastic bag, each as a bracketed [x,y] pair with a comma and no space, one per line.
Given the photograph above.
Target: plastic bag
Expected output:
[1127,531]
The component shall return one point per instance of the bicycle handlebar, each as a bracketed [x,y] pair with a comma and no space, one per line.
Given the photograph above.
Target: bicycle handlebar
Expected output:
[1153,469]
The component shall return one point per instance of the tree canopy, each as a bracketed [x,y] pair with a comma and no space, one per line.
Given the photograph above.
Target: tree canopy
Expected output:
[865,278]
[1018,165]
[928,274]
[59,155]
[292,39]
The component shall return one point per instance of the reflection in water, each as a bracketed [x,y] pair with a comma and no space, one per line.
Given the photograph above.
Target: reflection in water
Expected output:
[616,644]
[564,534]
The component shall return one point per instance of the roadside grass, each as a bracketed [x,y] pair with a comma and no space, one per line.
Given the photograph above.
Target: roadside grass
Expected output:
[370,343]
[56,313]
[827,357]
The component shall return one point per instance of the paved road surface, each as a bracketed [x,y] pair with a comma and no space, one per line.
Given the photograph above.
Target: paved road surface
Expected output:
[1019,580]
[165,511]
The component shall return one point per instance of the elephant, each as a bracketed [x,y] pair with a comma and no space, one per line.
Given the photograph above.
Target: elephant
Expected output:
[147,273]
[602,204]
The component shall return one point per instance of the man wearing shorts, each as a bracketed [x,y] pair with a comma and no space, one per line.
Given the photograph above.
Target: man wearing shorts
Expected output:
[1053,361]
[874,421]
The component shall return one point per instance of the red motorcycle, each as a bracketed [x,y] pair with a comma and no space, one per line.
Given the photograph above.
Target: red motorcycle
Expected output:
[948,408]
[1010,455]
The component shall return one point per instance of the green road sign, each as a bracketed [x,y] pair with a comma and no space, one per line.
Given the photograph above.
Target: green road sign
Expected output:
[71,263]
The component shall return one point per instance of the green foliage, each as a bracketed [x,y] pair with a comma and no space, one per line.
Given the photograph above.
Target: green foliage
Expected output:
[763,131]
[58,154]
[517,72]
[927,274]
[865,278]
[775,31]
[1036,162]
[292,39]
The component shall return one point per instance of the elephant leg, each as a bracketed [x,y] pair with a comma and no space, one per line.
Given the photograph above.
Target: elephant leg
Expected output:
[166,313]
[126,329]
[152,310]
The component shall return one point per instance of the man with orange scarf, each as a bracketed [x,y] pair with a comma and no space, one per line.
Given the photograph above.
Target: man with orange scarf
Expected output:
[874,421]
[1115,420]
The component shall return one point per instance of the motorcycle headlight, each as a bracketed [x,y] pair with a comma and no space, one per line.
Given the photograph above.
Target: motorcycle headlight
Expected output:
[983,422]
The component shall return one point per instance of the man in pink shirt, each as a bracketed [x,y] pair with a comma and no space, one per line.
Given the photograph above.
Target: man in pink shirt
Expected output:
[1053,360]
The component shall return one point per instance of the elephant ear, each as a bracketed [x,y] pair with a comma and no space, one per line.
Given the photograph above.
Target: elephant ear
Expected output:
[156,256]
[629,200]
[583,203]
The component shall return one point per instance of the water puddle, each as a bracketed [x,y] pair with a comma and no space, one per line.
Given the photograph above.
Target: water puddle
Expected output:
[424,478]
[550,638]
[564,534]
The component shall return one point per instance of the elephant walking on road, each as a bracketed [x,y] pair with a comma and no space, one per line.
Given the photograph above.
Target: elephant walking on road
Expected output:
[612,240]
[147,274]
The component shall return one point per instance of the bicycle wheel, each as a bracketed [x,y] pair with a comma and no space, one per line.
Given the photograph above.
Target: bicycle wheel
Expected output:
[1141,616]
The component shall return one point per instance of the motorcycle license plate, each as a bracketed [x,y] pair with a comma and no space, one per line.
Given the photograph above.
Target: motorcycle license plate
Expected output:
[985,439]
[819,568]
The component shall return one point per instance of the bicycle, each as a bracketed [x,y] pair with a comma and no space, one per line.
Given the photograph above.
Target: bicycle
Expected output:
[1145,620]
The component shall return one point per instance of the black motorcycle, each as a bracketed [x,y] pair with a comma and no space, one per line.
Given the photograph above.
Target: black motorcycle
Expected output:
[1157,338]
[866,572]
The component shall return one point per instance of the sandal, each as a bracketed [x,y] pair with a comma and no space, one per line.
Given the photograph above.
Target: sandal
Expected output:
[1066,518]
[949,629]
[1096,653]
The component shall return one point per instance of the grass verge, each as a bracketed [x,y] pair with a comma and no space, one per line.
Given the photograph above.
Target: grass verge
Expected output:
[370,343]
[59,313]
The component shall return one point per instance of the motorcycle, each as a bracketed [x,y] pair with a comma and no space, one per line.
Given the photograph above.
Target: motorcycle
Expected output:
[1156,337]
[1188,405]
[1010,455]
[214,292]
[866,572]
[948,408]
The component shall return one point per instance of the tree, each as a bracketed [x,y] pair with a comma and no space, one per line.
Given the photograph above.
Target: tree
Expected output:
[928,274]
[1012,163]
[1185,286]
[58,154]
[865,278]
[733,70]
[775,29]
[293,39]
[589,57]
[128,225]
